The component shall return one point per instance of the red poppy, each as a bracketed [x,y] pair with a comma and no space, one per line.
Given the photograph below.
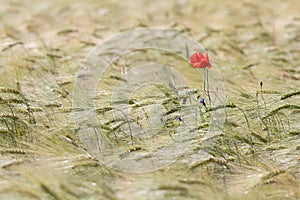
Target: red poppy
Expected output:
[198,60]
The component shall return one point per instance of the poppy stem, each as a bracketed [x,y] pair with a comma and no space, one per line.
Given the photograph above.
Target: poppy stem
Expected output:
[204,82]
[207,85]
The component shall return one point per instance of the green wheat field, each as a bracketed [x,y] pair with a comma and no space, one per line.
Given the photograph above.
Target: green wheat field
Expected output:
[256,155]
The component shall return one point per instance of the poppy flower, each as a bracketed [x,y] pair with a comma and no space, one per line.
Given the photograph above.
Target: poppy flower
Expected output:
[198,60]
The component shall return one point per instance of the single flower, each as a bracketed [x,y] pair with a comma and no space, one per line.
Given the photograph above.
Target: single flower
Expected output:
[203,102]
[198,60]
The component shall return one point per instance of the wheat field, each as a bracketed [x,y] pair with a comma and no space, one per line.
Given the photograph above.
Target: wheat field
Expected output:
[256,154]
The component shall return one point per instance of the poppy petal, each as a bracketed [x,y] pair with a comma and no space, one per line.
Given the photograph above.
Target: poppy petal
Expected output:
[199,60]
